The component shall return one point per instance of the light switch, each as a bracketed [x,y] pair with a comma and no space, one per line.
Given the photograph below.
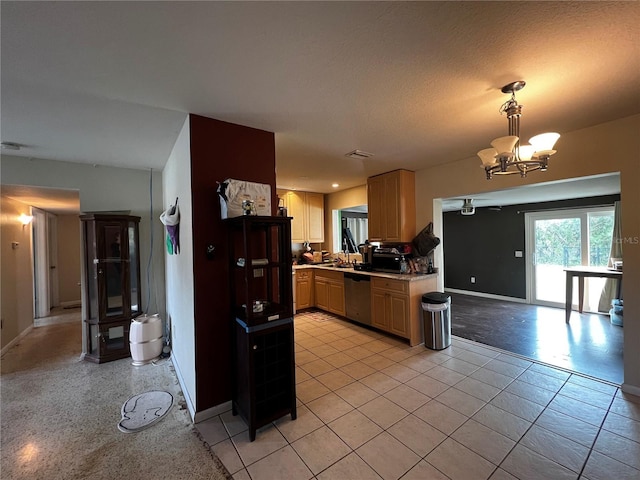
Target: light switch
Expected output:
[518,253]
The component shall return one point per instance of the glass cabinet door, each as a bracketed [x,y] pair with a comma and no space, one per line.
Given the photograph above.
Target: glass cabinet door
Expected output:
[134,274]
[113,270]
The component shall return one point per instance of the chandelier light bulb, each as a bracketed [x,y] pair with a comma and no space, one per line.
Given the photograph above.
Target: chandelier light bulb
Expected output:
[544,141]
[505,144]
[488,156]
[526,152]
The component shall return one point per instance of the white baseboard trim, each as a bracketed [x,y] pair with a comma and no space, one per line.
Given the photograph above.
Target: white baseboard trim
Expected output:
[185,392]
[212,412]
[486,295]
[72,303]
[16,340]
[632,389]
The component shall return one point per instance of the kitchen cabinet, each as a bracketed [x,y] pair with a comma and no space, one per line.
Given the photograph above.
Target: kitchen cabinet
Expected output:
[329,291]
[263,387]
[390,306]
[304,289]
[391,207]
[307,211]
[111,287]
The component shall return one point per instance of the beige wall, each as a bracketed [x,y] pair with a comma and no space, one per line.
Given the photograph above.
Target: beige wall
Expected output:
[69,256]
[16,271]
[601,149]
[351,197]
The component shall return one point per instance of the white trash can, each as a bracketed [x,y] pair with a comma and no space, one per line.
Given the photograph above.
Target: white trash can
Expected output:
[145,339]
[436,317]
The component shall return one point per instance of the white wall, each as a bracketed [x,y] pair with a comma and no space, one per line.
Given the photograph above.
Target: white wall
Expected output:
[16,270]
[176,181]
[606,148]
[106,188]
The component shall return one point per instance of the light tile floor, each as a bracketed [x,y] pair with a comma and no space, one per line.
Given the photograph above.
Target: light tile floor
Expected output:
[371,407]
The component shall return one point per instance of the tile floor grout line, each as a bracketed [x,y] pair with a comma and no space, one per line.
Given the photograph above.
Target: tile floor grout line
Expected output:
[600,428]
[396,360]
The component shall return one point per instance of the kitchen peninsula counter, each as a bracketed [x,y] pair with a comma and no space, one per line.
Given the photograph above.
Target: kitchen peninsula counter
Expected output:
[396,299]
[406,277]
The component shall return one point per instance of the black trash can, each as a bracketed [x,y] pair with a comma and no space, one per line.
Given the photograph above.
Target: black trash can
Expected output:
[436,316]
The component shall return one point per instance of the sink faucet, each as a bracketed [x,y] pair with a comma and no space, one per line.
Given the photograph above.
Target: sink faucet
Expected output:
[345,250]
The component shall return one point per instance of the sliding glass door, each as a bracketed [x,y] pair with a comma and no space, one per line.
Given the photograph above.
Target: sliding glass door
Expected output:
[566,238]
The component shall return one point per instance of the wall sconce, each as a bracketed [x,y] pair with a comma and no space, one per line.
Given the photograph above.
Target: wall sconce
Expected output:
[25,219]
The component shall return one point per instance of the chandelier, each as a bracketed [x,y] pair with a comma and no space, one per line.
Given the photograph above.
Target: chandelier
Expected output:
[507,156]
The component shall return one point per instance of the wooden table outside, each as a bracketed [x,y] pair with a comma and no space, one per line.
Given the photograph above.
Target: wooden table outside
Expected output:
[582,272]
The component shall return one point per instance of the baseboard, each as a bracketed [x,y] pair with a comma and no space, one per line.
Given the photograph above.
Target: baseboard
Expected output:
[16,340]
[212,412]
[632,389]
[486,295]
[185,392]
[71,304]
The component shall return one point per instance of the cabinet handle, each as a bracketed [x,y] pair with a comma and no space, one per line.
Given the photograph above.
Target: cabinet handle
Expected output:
[255,347]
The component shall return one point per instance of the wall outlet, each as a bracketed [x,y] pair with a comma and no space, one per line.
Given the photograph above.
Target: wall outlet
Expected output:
[473,279]
[518,253]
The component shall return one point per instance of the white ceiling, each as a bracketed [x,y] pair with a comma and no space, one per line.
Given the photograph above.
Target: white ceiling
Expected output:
[414,83]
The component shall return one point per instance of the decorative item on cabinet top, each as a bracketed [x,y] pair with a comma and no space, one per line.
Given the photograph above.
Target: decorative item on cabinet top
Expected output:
[233,193]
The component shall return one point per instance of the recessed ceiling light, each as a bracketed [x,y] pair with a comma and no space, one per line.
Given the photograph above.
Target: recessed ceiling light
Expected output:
[358,154]
[10,146]
[335,185]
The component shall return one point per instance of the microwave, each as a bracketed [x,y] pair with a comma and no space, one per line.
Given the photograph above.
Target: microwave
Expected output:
[386,262]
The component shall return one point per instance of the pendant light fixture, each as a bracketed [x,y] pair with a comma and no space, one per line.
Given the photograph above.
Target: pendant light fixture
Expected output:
[506,155]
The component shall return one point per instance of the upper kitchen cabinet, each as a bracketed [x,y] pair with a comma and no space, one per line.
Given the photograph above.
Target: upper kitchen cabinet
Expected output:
[392,206]
[307,210]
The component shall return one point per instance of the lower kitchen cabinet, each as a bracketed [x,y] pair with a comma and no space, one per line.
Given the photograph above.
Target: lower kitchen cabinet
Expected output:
[264,377]
[390,306]
[304,289]
[329,291]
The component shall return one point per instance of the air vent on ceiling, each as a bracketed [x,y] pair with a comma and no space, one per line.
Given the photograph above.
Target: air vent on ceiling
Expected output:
[467,207]
[358,154]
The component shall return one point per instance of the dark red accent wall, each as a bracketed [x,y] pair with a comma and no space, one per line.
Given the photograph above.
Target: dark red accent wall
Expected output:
[219,150]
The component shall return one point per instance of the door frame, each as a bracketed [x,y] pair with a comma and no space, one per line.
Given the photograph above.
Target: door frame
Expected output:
[530,219]
[41,300]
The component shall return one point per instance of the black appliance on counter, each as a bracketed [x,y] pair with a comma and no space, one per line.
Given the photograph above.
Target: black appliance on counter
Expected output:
[366,251]
[385,261]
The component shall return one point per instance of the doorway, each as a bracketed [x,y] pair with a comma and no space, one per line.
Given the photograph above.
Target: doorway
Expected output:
[556,239]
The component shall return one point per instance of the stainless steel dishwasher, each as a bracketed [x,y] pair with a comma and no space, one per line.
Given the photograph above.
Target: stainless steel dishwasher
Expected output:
[357,293]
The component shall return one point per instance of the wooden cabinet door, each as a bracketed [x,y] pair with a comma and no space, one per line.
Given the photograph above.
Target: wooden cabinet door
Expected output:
[295,204]
[315,217]
[399,315]
[391,206]
[336,298]
[378,310]
[304,290]
[322,294]
[376,210]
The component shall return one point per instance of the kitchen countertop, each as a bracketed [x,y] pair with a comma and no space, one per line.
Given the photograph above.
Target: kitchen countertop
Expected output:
[407,277]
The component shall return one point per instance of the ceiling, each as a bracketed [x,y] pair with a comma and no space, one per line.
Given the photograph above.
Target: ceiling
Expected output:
[415,83]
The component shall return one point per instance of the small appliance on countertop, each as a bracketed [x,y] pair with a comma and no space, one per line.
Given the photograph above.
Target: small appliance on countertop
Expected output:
[392,258]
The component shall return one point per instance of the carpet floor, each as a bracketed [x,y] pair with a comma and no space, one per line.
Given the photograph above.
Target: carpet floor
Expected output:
[60,416]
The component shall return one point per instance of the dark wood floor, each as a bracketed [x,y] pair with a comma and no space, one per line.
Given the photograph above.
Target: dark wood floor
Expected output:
[589,344]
